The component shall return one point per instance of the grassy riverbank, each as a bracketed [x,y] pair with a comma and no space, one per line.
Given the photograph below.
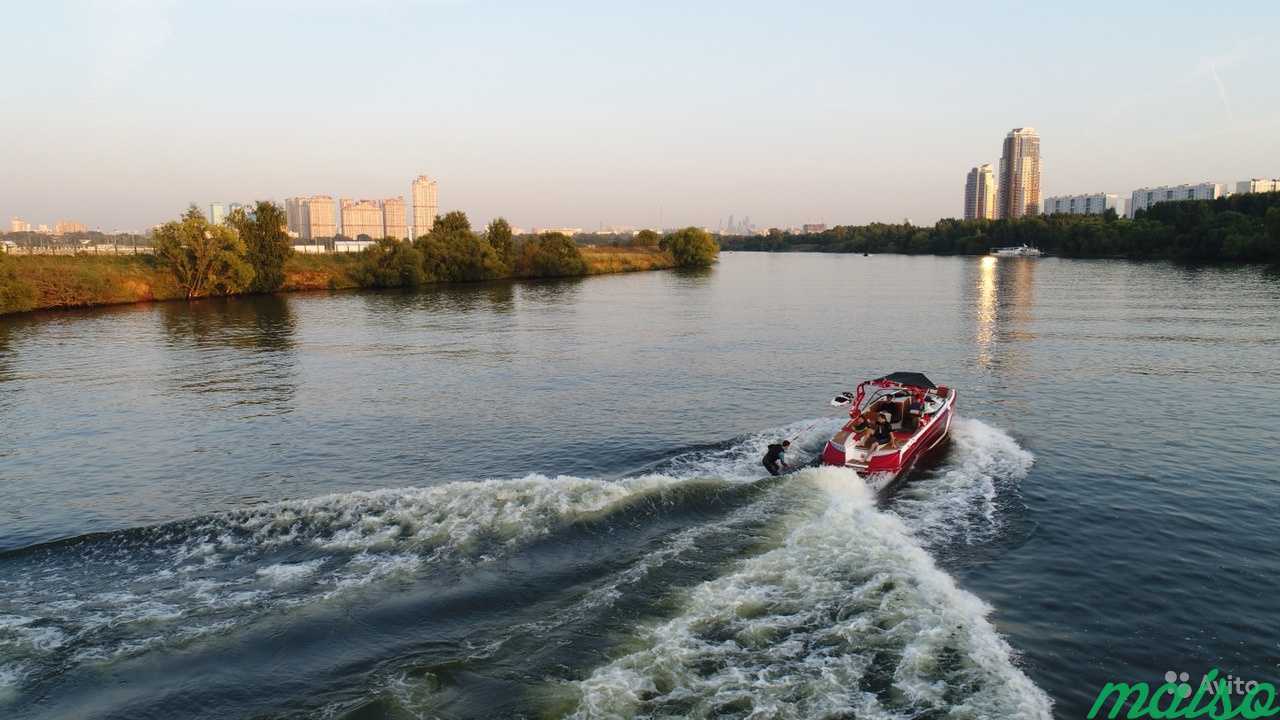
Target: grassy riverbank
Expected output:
[57,281]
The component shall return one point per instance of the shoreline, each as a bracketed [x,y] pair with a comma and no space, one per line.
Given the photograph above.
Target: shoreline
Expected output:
[75,282]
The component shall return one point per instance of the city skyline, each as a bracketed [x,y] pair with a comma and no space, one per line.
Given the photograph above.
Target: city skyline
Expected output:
[569,117]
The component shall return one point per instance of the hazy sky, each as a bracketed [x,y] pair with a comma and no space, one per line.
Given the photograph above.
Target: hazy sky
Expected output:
[121,112]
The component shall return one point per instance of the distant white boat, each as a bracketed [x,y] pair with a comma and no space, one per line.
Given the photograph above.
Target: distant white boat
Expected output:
[1019,251]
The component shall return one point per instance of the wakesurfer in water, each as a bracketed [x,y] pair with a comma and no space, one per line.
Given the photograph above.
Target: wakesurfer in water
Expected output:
[773,461]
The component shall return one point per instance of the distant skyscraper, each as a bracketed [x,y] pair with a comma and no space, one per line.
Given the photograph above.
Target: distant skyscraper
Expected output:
[217,213]
[1144,198]
[17,224]
[295,218]
[361,217]
[426,204]
[1258,185]
[980,193]
[321,217]
[393,219]
[1095,204]
[1019,174]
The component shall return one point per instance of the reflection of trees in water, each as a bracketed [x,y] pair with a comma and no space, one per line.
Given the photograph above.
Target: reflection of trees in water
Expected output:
[551,291]
[693,277]
[1002,297]
[496,297]
[251,322]
[243,349]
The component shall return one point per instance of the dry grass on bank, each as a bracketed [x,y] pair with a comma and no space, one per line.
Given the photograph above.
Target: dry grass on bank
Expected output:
[611,259]
[58,281]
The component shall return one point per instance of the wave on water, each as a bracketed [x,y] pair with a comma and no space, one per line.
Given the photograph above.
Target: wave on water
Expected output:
[101,597]
[850,616]
[116,594]
[961,500]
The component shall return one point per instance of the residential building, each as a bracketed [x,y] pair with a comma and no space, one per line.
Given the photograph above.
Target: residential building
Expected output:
[62,227]
[17,224]
[980,193]
[1019,193]
[361,217]
[393,219]
[570,231]
[426,204]
[217,213]
[1258,185]
[814,228]
[321,218]
[294,213]
[1095,204]
[1144,198]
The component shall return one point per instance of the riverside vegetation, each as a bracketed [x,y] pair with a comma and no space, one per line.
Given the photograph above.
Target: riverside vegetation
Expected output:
[1239,228]
[251,253]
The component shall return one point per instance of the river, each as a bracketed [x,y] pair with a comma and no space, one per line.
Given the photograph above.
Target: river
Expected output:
[544,500]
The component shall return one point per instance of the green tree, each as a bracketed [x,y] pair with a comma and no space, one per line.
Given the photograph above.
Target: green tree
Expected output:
[499,236]
[204,259]
[550,255]
[692,247]
[452,253]
[390,263]
[646,238]
[266,244]
[1272,222]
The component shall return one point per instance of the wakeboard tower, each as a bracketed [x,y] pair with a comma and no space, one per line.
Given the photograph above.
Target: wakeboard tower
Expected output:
[893,422]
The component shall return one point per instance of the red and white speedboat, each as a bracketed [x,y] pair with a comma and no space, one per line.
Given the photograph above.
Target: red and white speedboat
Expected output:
[893,422]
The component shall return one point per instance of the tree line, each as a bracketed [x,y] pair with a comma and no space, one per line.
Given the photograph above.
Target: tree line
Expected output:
[1238,228]
[248,253]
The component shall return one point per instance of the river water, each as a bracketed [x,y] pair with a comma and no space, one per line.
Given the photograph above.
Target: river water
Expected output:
[543,500]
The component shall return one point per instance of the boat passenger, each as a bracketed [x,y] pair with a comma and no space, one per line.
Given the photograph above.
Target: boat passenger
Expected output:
[773,458]
[883,435]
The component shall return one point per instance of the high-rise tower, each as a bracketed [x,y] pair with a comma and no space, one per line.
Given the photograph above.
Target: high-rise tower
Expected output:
[980,193]
[426,205]
[1019,174]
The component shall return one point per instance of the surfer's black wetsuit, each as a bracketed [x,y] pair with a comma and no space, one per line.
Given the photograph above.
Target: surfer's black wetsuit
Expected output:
[773,459]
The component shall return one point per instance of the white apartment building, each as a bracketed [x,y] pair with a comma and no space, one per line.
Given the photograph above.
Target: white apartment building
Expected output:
[1258,185]
[1144,198]
[1094,204]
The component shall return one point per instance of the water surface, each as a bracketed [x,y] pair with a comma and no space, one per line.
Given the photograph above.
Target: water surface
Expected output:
[543,499]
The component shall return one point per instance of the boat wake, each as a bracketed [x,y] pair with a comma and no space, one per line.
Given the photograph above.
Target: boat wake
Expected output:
[849,617]
[843,611]
[960,501]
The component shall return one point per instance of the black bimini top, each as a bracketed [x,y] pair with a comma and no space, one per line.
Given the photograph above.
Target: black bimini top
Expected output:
[909,378]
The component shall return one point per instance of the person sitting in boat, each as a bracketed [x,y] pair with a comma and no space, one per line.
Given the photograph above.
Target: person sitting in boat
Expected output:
[860,427]
[883,438]
[773,458]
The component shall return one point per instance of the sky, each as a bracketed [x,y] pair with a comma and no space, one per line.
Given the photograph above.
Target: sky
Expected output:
[121,113]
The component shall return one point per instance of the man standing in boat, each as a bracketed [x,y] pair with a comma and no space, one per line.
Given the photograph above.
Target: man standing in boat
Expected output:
[773,459]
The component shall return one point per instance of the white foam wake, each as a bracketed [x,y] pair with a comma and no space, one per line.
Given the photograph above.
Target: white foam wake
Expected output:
[957,502]
[848,616]
[129,593]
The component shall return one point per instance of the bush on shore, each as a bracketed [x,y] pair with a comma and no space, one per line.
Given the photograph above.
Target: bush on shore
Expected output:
[692,247]
[390,263]
[205,259]
[549,255]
